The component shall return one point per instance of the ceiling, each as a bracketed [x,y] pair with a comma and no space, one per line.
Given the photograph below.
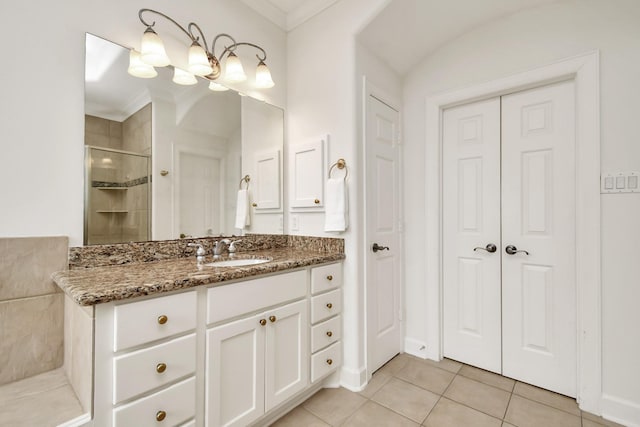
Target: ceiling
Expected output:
[406,31]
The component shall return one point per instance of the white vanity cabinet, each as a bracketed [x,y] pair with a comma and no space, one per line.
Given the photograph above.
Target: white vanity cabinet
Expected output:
[326,321]
[258,361]
[145,361]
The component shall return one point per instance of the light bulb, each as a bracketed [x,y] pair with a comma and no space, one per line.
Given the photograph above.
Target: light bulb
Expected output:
[183,77]
[217,87]
[198,60]
[152,49]
[138,68]
[263,76]
[233,69]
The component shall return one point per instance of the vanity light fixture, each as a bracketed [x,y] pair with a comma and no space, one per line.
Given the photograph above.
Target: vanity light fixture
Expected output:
[183,77]
[202,61]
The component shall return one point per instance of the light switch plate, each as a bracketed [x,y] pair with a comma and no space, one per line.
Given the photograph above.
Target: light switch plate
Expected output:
[620,182]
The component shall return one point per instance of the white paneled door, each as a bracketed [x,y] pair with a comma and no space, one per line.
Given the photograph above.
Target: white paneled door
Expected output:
[509,181]
[384,331]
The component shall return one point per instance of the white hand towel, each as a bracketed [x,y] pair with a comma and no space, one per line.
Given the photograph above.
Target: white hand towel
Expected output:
[242,210]
[336,205]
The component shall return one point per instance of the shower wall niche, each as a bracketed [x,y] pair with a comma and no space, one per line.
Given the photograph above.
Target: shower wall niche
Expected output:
[117,199]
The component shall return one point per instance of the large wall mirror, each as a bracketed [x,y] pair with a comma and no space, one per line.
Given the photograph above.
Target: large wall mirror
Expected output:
[164,160]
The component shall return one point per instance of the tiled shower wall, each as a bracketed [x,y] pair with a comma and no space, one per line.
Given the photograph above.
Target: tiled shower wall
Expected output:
[31,306]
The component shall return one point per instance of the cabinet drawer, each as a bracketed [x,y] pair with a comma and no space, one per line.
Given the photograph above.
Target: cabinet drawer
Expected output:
[145,321]
[325,361]
[225,302]
[326,305]
[326,277]
[326,333]
[144,370]
[177,403]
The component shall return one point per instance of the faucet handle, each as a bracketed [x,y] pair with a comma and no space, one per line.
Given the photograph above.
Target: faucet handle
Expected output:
[232,246]
[200,252]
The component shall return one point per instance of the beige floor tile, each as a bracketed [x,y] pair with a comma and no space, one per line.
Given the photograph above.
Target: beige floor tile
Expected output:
[487,377]
[373,415]
[477,395]
[396,364]
[300,417]
[547,397]
[527,413]
[446,364]
[448,413]
[507,425]
[598,420]
[426,376]
[49,408]
[377,381]
[333,405]
[406,399]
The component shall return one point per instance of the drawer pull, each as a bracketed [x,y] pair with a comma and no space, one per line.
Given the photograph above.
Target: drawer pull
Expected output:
[329,305]
[263,322]
[329,277]
[161,415]
[272,319]
[162,319]
[316,201]
[161,367]
[329,333]
[255,205]
[329,361]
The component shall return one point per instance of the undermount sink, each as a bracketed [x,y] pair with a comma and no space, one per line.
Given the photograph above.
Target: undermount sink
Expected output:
[237,262]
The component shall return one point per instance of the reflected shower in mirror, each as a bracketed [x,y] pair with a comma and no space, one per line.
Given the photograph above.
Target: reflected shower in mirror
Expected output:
[198,144]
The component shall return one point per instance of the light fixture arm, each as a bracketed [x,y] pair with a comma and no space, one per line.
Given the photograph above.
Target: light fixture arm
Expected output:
[193,39]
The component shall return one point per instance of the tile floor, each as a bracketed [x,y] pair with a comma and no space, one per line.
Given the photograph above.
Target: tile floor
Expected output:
[409,391]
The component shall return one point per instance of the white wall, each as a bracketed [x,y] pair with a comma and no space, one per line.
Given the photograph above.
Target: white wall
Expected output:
[322,99]
[42,86]
[521,42]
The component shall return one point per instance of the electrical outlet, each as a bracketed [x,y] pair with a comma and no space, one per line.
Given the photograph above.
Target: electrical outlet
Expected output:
[295,223]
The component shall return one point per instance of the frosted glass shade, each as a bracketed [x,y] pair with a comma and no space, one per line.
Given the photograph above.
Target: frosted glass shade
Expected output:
[233,69]
[263,76]
[217,87]
[152,49]
[183,77]
[138,68]
[198,61]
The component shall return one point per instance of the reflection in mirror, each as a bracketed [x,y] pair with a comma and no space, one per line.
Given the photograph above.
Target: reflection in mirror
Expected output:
[198,145]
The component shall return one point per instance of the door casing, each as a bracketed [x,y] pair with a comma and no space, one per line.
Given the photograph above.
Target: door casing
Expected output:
[584,71]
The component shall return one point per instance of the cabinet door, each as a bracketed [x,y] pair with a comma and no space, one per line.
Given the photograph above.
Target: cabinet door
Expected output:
[286,353]
[235,373]
[266,185]
[307,177]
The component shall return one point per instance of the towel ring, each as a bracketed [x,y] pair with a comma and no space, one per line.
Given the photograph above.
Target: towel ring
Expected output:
[246,179]
[340,164]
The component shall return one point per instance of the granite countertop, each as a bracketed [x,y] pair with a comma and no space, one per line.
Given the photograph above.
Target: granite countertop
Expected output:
[98,285]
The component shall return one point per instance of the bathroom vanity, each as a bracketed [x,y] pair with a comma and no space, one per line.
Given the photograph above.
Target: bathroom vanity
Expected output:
[180,344]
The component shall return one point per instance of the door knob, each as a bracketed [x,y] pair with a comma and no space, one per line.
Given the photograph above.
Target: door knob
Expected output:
[512,250]
[491,248]
[377,247]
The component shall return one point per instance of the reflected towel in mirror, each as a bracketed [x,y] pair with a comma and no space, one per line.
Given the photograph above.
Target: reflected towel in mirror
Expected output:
[243,219]
[336,205]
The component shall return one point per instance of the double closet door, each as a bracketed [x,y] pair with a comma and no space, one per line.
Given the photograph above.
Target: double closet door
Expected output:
[509,236]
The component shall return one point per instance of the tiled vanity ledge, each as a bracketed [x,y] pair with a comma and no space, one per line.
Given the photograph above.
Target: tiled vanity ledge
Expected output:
[104,273]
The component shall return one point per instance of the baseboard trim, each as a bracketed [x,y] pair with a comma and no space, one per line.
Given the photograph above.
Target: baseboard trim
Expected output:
[620,410]
[353,379]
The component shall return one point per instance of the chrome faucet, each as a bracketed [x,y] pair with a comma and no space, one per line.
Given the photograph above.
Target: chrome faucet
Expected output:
[219,246]
[199,252]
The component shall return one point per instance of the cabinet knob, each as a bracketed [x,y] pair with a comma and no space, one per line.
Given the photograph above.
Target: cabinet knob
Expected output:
[329,333]
[329,305]
[263,322]
[329,277]
[329,361]
[161,415]
[272,319]
[255,205]
[162,319]
[316,201]
[161,367]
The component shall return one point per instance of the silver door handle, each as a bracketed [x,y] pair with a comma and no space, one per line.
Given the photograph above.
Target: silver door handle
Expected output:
[512,250]
[491,248]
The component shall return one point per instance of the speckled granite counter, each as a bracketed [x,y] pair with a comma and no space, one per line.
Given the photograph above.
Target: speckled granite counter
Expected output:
[90,286]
